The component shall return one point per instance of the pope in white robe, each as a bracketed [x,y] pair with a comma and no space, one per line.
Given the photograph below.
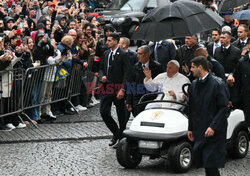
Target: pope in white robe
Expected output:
[170,83]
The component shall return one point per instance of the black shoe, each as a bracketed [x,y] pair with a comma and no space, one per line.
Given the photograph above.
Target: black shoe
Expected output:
[5,128]
[113,141]
[69,112]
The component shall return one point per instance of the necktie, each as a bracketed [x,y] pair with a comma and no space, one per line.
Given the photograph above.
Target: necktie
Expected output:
[155,51]
[143,66]
[243,44]
[224,50]
[110,62]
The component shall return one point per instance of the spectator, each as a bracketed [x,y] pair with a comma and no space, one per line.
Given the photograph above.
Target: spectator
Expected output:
[49,78]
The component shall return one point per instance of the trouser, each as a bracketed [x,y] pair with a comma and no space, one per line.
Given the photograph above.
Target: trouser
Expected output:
[6,107]
[246,107]
[36,100]
[105,110]
[46,96]
[212,172]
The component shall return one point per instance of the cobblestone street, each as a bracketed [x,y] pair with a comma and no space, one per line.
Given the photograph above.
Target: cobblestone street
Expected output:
[78,145]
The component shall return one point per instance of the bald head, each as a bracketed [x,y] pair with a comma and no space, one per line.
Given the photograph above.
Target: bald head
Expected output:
[201,52]
[72,33]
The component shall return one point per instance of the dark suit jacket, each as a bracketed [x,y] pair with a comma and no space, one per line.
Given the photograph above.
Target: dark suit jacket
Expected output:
[132,57]
[217,69]
[119,72]
[229,59]
[238,44]
[137,89]
[185,54]
[210,48]
[165,52]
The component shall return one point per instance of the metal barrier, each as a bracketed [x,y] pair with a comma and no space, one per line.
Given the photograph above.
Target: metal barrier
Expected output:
[39,87]
[11,92]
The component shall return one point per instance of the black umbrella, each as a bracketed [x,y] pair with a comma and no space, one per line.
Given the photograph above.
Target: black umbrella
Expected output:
[182,18]
[228,4]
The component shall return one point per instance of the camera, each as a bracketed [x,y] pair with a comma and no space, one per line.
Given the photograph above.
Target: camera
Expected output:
[21,16]
[64,52]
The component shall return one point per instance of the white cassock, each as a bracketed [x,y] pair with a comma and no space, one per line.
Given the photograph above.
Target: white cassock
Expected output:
[162,83]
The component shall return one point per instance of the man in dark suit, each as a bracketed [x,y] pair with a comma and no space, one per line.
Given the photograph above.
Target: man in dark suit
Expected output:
[124,43]
[229,55]
[242,77]
[162,51]
[114,79]
[186,53]
[207,122]
[216,68]
[242,37]
[216,42]
[136,87]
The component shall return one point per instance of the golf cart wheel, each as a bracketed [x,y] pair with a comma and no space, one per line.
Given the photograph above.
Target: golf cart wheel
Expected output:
[240,146]
[127,154]
[180,157]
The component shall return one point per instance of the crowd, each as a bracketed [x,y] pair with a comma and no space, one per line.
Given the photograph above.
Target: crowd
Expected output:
[41,33]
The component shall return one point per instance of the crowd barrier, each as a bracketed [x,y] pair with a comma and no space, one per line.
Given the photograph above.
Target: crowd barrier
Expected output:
[11,92]
[40,86]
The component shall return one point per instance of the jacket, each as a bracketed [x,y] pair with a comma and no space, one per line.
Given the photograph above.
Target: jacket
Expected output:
[42,50]
[208,101]
[119,72]
[228,59]
[136,88]
[165,52]
[7,78]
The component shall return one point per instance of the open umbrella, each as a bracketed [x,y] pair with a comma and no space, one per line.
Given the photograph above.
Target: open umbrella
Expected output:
[242,15]
[228,4]
[178,19]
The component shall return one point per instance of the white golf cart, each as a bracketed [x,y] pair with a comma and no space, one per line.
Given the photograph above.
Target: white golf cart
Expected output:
[162,132]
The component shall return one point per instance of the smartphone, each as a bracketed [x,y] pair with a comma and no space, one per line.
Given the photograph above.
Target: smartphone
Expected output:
[21,23]
[6,52]
[13,4]
[61,5]
[21,16]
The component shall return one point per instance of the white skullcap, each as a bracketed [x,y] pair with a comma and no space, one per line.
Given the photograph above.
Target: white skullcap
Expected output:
[175,62]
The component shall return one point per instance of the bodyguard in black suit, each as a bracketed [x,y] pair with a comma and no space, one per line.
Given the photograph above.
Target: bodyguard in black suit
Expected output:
[242,37]
[114,79]
[137,88]
[163,52]
[186,53]
[228,55]
[216,42]
[242,77]
[124,43]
